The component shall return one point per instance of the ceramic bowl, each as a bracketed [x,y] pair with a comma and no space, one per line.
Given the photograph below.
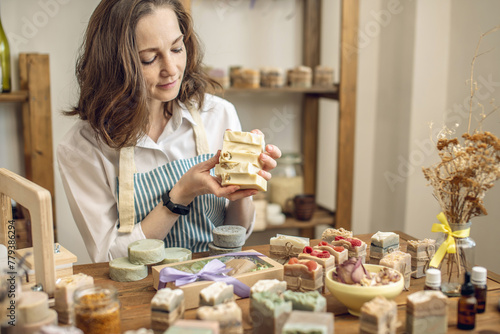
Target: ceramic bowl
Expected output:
[354,296]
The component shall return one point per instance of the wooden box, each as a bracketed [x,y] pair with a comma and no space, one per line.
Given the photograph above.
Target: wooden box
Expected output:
[192,290]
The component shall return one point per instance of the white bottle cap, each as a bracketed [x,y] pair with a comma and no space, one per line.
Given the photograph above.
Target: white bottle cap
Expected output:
[478,275]
[433,277]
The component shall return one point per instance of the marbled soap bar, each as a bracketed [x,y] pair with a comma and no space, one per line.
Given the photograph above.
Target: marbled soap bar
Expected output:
[228,315]
[269,285]
[216,293]
[231,157]
[401,262]
[378,316]
[176,254]
[167,306]
[303,275]
[306,301]
[338,252]
[427,312]
[329,234]
[121,270]
[236,168]
[324,259]
[245,181]
[355,247]
[146,251]
[229,236]
[269,312]
[302,322]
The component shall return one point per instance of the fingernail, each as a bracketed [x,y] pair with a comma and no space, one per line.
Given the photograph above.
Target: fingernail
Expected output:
[270,148]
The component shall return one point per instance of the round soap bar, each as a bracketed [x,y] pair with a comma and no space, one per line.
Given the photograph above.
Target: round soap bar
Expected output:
[146,251]
[214,250]
[33,307]
[50,319]
[121,270]
[229,236]
[176,254]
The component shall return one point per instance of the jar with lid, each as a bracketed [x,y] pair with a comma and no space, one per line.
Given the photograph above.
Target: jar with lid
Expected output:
[97,309]
[287,180]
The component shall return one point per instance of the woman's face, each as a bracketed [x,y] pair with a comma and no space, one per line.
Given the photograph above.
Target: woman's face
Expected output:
[162,53]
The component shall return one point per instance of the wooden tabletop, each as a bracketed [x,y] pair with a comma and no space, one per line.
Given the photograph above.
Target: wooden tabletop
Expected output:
[135,298]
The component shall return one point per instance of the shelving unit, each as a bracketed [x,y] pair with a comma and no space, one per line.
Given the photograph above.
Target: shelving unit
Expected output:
[34,95]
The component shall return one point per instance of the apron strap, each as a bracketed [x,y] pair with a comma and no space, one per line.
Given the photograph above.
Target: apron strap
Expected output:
[200,136]
[126,209]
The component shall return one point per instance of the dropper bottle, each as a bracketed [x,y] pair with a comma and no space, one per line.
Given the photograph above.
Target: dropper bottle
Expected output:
[467,305]
[478,279]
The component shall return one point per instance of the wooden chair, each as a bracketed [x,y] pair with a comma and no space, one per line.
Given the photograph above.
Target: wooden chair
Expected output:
[38,202]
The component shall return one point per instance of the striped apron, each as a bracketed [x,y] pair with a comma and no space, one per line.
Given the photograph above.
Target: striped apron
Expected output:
[139,193]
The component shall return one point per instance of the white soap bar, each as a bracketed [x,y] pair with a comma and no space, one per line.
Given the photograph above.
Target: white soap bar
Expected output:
[32,308]
[253,159]
[244,137]
[65,288]
[146,251]
[228,146]
[167,299]
[228,315]
[271,285]
[216,293]
[176,254]
[49,319]
[245,181]
[121,270]
[282,240]
[229,236]
[236,168]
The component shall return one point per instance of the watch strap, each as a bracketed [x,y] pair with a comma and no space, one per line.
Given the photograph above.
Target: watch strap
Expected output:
[175,208]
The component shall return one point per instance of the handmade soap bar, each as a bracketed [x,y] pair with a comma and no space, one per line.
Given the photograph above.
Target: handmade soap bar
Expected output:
[33,328]
[269,312]
[427,312]
[284,247]
[382,243]
[146,251]
[32,308]
[215,250]
[121,270]
[140,331]
[229,236]
[355,247]
[167,306]
[401,262]
[379,316]
[329,234]
[323,258]
[194,327]
[228,315]
[240,266]
[236,168]
[63,294]
[244,137]
[231,147]
[269,285]
[339,252]
[230,157]
[245,181]
[53,329]
[303,275]
[306,301]
[216,293]
[303,322]
[176,254]
[421,252]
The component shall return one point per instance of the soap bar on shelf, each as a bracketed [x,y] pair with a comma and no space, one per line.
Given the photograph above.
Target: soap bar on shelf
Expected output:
[269,285]
[121,270]
[379,316]
[245,181]
[427,310]
[269,312]
[228,315]
[176,254]
[303,322]
[306,301]
[216,293]
[167,306]
[244,137]
[229,236]
[146,251]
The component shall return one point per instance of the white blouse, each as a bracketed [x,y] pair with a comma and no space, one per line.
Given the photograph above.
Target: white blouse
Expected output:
[89,171]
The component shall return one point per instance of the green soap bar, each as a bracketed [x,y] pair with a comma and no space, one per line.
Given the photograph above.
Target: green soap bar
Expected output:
[121,270]
[176,254]
[229,236]
[146,251]
[306,301]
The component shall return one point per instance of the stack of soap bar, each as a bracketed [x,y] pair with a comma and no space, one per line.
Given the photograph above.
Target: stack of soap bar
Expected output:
[329,234]
[63,294]
[306,301]
[216,293]
[228,315]
[146,251]
[167,306]
[427,312]
[338,252]
[121,270]
[302,322]
[283,247]
[355,247]
[269,285]
[33,313]
[269,312]
[194,327]
[421,252]
[382,243]
[401,262]
[303,275]
[176,254]
[239,172]
[321,257]
[227,239]
[378,316]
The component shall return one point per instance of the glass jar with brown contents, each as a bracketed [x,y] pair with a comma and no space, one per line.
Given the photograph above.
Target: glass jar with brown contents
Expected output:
[97,310]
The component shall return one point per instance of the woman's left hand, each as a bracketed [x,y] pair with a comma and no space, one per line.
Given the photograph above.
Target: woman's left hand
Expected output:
[268,157]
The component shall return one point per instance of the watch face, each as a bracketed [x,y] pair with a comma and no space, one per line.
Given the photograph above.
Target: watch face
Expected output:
[179,209]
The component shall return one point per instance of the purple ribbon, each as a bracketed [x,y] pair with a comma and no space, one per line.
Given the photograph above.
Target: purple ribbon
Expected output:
[214,270]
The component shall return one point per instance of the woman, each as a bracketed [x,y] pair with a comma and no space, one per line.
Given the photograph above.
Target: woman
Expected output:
[146,132]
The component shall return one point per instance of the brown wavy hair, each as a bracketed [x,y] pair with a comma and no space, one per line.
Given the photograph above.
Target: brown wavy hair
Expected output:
[113,95]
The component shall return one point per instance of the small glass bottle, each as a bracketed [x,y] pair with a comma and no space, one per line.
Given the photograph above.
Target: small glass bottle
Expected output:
[97,310]
[467,305]
[433,279]
[478,278]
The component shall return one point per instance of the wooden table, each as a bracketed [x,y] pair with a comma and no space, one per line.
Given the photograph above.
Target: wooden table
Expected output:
[135,298]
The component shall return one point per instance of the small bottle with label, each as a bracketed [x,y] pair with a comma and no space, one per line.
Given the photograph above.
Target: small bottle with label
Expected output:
[467,305]
[432,279]
[478,278]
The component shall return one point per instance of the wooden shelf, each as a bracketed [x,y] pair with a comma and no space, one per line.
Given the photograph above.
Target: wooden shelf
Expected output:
[328,92]
[17,96]
[321,217]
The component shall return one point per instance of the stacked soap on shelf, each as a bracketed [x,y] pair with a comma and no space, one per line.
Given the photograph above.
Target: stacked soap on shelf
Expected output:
[401,262]
[338,252]
[427,312]
[239,160]
[302,322]
[269,312]
[329,234]
[216,293]
[321,257]
[284,247]
[323,76]
[194,327]
[303,275]
[300,76]
[383,243]
[245,77]
[272,77]
[378,316]
[141,253]
[228,315]
[227,239]
[269,285]
[167,306]
[33,313]
[64,295]
[311,301]
[220,76]
[176,254]
[421,252]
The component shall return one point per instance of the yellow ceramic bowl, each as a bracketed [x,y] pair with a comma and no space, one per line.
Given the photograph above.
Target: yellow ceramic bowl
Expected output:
[354,296]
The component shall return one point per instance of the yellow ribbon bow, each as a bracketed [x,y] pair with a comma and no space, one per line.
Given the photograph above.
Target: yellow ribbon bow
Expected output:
[448,245]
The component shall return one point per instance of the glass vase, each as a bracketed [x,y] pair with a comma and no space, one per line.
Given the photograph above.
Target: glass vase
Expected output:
[454,265]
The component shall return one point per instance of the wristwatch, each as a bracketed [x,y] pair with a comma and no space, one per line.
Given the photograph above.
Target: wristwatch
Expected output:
[175,208]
